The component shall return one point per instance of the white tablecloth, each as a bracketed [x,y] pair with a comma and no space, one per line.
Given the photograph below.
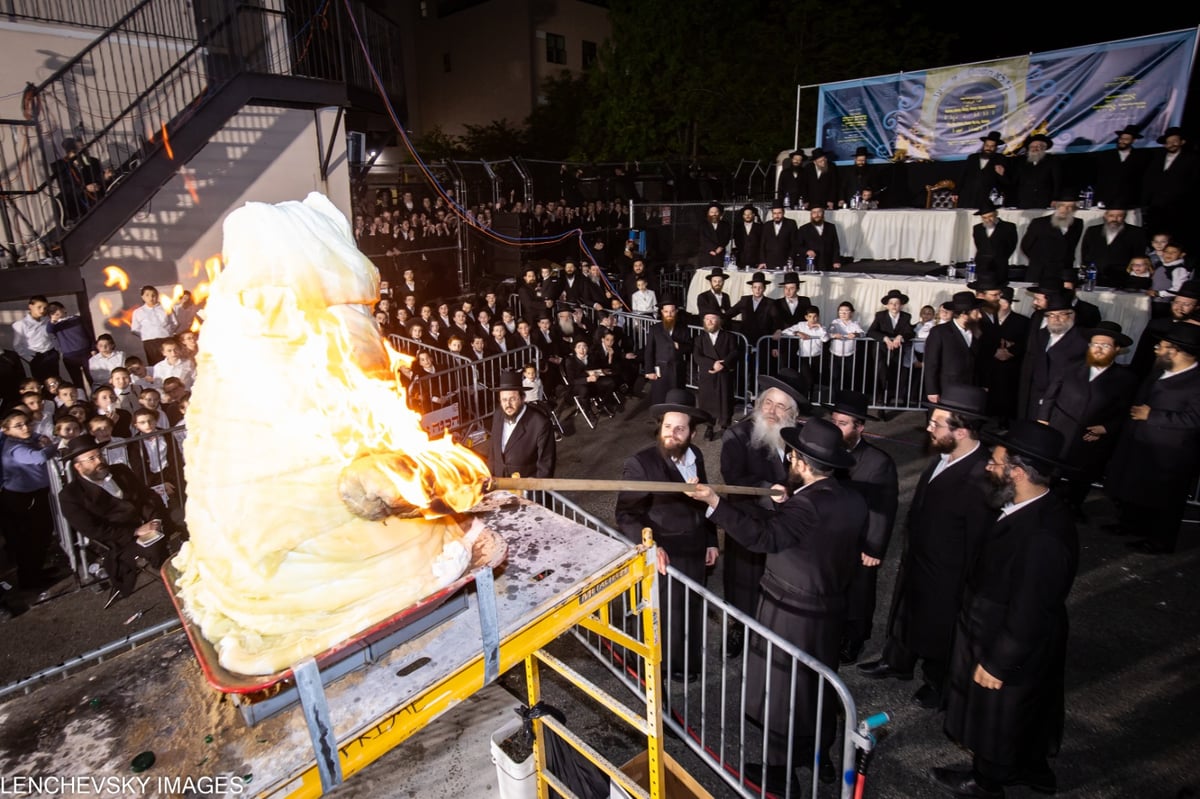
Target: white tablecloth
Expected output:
[1129,309]
[941,236]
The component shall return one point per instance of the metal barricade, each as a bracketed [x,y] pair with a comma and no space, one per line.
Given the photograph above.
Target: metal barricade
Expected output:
[441,357]
[710,714]
[471,387]
[742,378]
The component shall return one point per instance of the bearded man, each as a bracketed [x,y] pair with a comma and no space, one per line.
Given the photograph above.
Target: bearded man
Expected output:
[1050,243]
[1053,350]
[952,351]
[1037,178]
[1110,245]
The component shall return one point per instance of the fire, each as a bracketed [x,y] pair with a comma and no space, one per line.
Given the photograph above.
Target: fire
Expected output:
[167,142]
[116,276]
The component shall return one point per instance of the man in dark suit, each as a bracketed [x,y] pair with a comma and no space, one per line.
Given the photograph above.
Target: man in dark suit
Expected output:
[714,237]
[792,179]
[577,289]
[952,349]
[685,539]
[1004,337]
[1089,405]
[812,541]
[995,242]
[667,344]
[1037,179]
[1005,694]
[747,238]
[789,311]
[1157,456]
[1169,188]
[109,504]
[1109,246]
[874,476]
[892,328]
[522,439]
[778,239]
[1053,349]
[1185,301]
[756,310]
[982,173]
[859,178]
[715,299]
[1050,242]
[715,352]
[821,181]
[1119,171]
[818,240]
[947,521]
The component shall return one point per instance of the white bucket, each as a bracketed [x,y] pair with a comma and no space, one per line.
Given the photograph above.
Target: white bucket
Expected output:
[516,780]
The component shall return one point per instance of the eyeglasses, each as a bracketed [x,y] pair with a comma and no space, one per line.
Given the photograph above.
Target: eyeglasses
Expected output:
[1099,345]
[936,424]
[1059,314]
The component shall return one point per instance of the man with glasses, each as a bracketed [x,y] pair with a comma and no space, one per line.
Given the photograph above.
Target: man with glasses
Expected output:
[1054,350]
[947,520]
[1157,457]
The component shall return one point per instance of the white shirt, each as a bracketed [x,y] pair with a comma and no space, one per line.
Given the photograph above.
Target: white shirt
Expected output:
[1166,375]
[810,347]
[508,428]
[1096,371]
[184,369]
[966,334]
[1054,339]
[945,463]
[1109,235]
[100,366]
[32,336]
[152,323]
[644,301]
[109,485]
[840,346]
[1009,508]
[686,465]
[1170,159]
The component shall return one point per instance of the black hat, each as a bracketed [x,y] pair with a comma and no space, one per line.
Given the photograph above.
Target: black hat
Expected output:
[1008,294]
[861,151]
[777,204]
[963,302]
[759,277]
[1042,137]
[986,282]
[821,441]
[544,313]
[961,399]
[718,272]
[790,382]
[894,294]
[79,445]
[1183,335]
[510,381]
[1189,290]
[680,400]
[667,299]
[1172,131]
[1131,130]
[1046,286]
[986,207]
[795,153]
[993,136]
[1067,195]
[717,205]
[1112,330]
[791,279]
[1057,301]
[749,207]
[818,153]
[1029,439]
[851,403]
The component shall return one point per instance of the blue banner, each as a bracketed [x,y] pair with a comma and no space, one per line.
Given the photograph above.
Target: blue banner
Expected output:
[1079,97]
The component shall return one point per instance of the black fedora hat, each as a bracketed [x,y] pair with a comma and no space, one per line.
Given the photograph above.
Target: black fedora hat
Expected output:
[851,403]
[1189,290]
[751,208]
[963,302]
[790,382]
[821,441]
[986,207]
[993,136]
[1057,301]
[714,204]
[1009,294]
[1112,330]
[986,282]
[1171,131]
[1042,137]
[1029,439]
[510,381]
[79,445]
[791,279]
[860,150]
[1183,335]
[759,277]
[818,153]
[1130,130]
[680,400]
[894,294]
[667,299]
[1046,286]
[718,272]
[777,204]
[962,399]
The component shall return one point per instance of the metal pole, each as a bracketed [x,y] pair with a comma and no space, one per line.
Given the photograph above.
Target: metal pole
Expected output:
[796,133]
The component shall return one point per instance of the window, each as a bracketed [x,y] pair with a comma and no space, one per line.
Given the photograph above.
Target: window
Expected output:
[556,48]
[589,54]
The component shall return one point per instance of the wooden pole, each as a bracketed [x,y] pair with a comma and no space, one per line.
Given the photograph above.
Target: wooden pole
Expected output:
[652,486]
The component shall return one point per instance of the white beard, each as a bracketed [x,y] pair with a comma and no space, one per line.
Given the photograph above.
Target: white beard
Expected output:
[766,434]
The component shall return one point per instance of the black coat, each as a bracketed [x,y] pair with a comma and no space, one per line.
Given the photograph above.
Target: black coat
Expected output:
[708,302]
[825,244]
[1119,183]
[992,253]
[1002,378]
[882,326]
[530,451]
[1087,315]
[756,323]
[1042,366]
[1014,624]
[747,247]
[1163,188]
[948,359]
[792,184]
[666,353]
[710,239]
[778,248]
[823,190]
[975,184]
[1035,186]
[852,180]
[1074,403]
[786,317]
[947,521]
[874,476]
[715,391]
[1051,252]
[1111,259]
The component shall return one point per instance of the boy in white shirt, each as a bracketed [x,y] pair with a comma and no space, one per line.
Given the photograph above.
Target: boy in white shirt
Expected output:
[846,370]
[172,365]
[644,300]
[107,358]
[812,342]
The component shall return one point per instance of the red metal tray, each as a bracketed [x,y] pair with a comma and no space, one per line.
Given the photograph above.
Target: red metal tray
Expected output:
[489,550]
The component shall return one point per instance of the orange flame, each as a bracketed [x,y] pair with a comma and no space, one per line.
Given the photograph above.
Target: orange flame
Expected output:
[189,183]
[116,276]
[167,142]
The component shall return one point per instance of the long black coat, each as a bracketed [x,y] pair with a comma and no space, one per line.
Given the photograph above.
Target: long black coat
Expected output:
[947,521]
[948,359]
[747,246]
[992,253]
[1036,186]
[1051,253]
[873,476]
[777,248]
[1119,183]
[785,317]
[821,190]
[1041,366]
[1014,624]
[1002,378]
[665,354]
[825,244]
[1074,403]
[709,302]
[715,391]
[710,239]
[756,322]
[530,451]
[1111,259]
[975,184]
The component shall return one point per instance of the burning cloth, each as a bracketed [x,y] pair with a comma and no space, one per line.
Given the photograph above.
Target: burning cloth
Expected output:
[316,504]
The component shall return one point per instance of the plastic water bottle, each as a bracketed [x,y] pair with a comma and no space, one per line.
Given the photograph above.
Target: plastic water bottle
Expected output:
[1089,283]
[808,264]
[951,272]
[1089,195]
[787,200]
[728,260]
[856,200]
[971,271]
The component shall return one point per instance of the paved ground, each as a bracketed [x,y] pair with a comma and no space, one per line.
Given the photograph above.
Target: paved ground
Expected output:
[1132,692]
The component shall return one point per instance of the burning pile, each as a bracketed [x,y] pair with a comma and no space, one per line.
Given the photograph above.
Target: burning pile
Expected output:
[316,504]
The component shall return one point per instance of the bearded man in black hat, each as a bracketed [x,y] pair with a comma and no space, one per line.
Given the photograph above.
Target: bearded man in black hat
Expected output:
[1004,335]
[821,181]
[792,177]
[982,172]
[1089,404]
[1005,695]
[1119,171]
[1157,457]
[667,344]
[522,440]
[947,520]
[995,242]
[818,240]
[714,237]
[812,542]
[1050,243]
[715,300]
[1110,245]
[747,238]
[952,350]
[779,239]
[1054,349]
[686,540]
[716,354]
[1182,305]
[1037,179]
[859,178]
[1169,188]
